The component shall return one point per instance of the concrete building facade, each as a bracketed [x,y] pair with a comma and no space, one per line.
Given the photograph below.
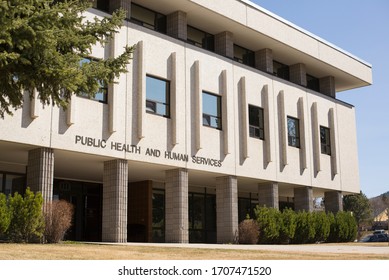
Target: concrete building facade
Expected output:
[224,106]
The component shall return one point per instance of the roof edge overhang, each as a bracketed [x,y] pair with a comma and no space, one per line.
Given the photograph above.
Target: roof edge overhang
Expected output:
[255,28]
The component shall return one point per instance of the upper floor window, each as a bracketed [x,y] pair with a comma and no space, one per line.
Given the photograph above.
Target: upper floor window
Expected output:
[244,55]
[102,5]
[313,83]
[293,132]
[200,38]
[212,116]
[148,18]
[256,122]
[102,94]
[157,96]
[281,70]
[325,140]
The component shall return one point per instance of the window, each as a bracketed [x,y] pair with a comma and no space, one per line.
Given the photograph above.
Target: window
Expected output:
[102,5]
[102,94]
[157,96]
[256,122]
[11,183]
[244,55]
[313,83]
[200,38]
[281,70]
[148,18]
[325,140]
[293,132]
[212,110]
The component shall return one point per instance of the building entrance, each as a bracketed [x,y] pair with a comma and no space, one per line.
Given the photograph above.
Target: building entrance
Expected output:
[87,201]
[202,218]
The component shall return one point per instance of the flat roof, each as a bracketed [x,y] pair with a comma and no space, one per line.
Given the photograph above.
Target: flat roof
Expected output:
[256,28]
[285,21]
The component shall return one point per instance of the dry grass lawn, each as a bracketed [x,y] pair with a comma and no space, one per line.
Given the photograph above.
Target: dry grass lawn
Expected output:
[79,251]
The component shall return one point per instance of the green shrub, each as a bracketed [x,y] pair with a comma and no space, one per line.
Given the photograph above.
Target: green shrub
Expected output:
[5,217]
[347,227]
[248,232]
[343,228]
[269,221]
[27,222]
[322,226]
[288,226]
[333,236]
[305,228]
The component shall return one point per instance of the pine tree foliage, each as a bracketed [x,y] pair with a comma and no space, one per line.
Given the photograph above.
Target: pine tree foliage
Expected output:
[359,205]
[41,45]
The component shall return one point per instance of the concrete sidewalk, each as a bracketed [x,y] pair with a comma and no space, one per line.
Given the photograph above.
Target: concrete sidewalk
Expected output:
[351,248]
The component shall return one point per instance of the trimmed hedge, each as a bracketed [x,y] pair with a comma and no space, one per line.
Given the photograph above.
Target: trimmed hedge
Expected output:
[287,226]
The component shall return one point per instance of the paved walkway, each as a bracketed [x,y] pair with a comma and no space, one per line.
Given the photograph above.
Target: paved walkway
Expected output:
[358,248]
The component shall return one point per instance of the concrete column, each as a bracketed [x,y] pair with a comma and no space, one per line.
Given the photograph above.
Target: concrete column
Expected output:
[40,172]
[124,4]
[115,192]
[224,44]
[303,199]
[333,201]
[176,209]
[268,195]
[226,209]
[177,25]
[264,60]
[298,74]
[327,86]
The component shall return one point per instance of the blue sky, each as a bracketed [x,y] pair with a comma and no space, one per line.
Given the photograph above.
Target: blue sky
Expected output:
[361,28]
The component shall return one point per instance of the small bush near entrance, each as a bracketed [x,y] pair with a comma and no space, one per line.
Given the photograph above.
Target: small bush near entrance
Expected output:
[26,219]
[58,219]
[269,221]
[278,227]
[248,232]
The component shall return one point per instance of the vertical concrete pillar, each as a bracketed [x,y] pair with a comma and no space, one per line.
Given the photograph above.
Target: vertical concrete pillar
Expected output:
[124,4]
[327,86]
[268,195]
[115,191]
[333,201]
[177,25]
[303,199]
[176,209]
[226,209]
[298,74]
[264,60]
[224,44]
[40,172]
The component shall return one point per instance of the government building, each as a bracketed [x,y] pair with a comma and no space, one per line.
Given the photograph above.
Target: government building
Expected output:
[225,106]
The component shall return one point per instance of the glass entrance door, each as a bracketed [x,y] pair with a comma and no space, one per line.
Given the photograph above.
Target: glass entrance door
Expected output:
[87,202]
[202,218]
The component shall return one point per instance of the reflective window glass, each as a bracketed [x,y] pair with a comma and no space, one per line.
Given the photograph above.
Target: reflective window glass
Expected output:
[212,110]
[157,96]
[293,132]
